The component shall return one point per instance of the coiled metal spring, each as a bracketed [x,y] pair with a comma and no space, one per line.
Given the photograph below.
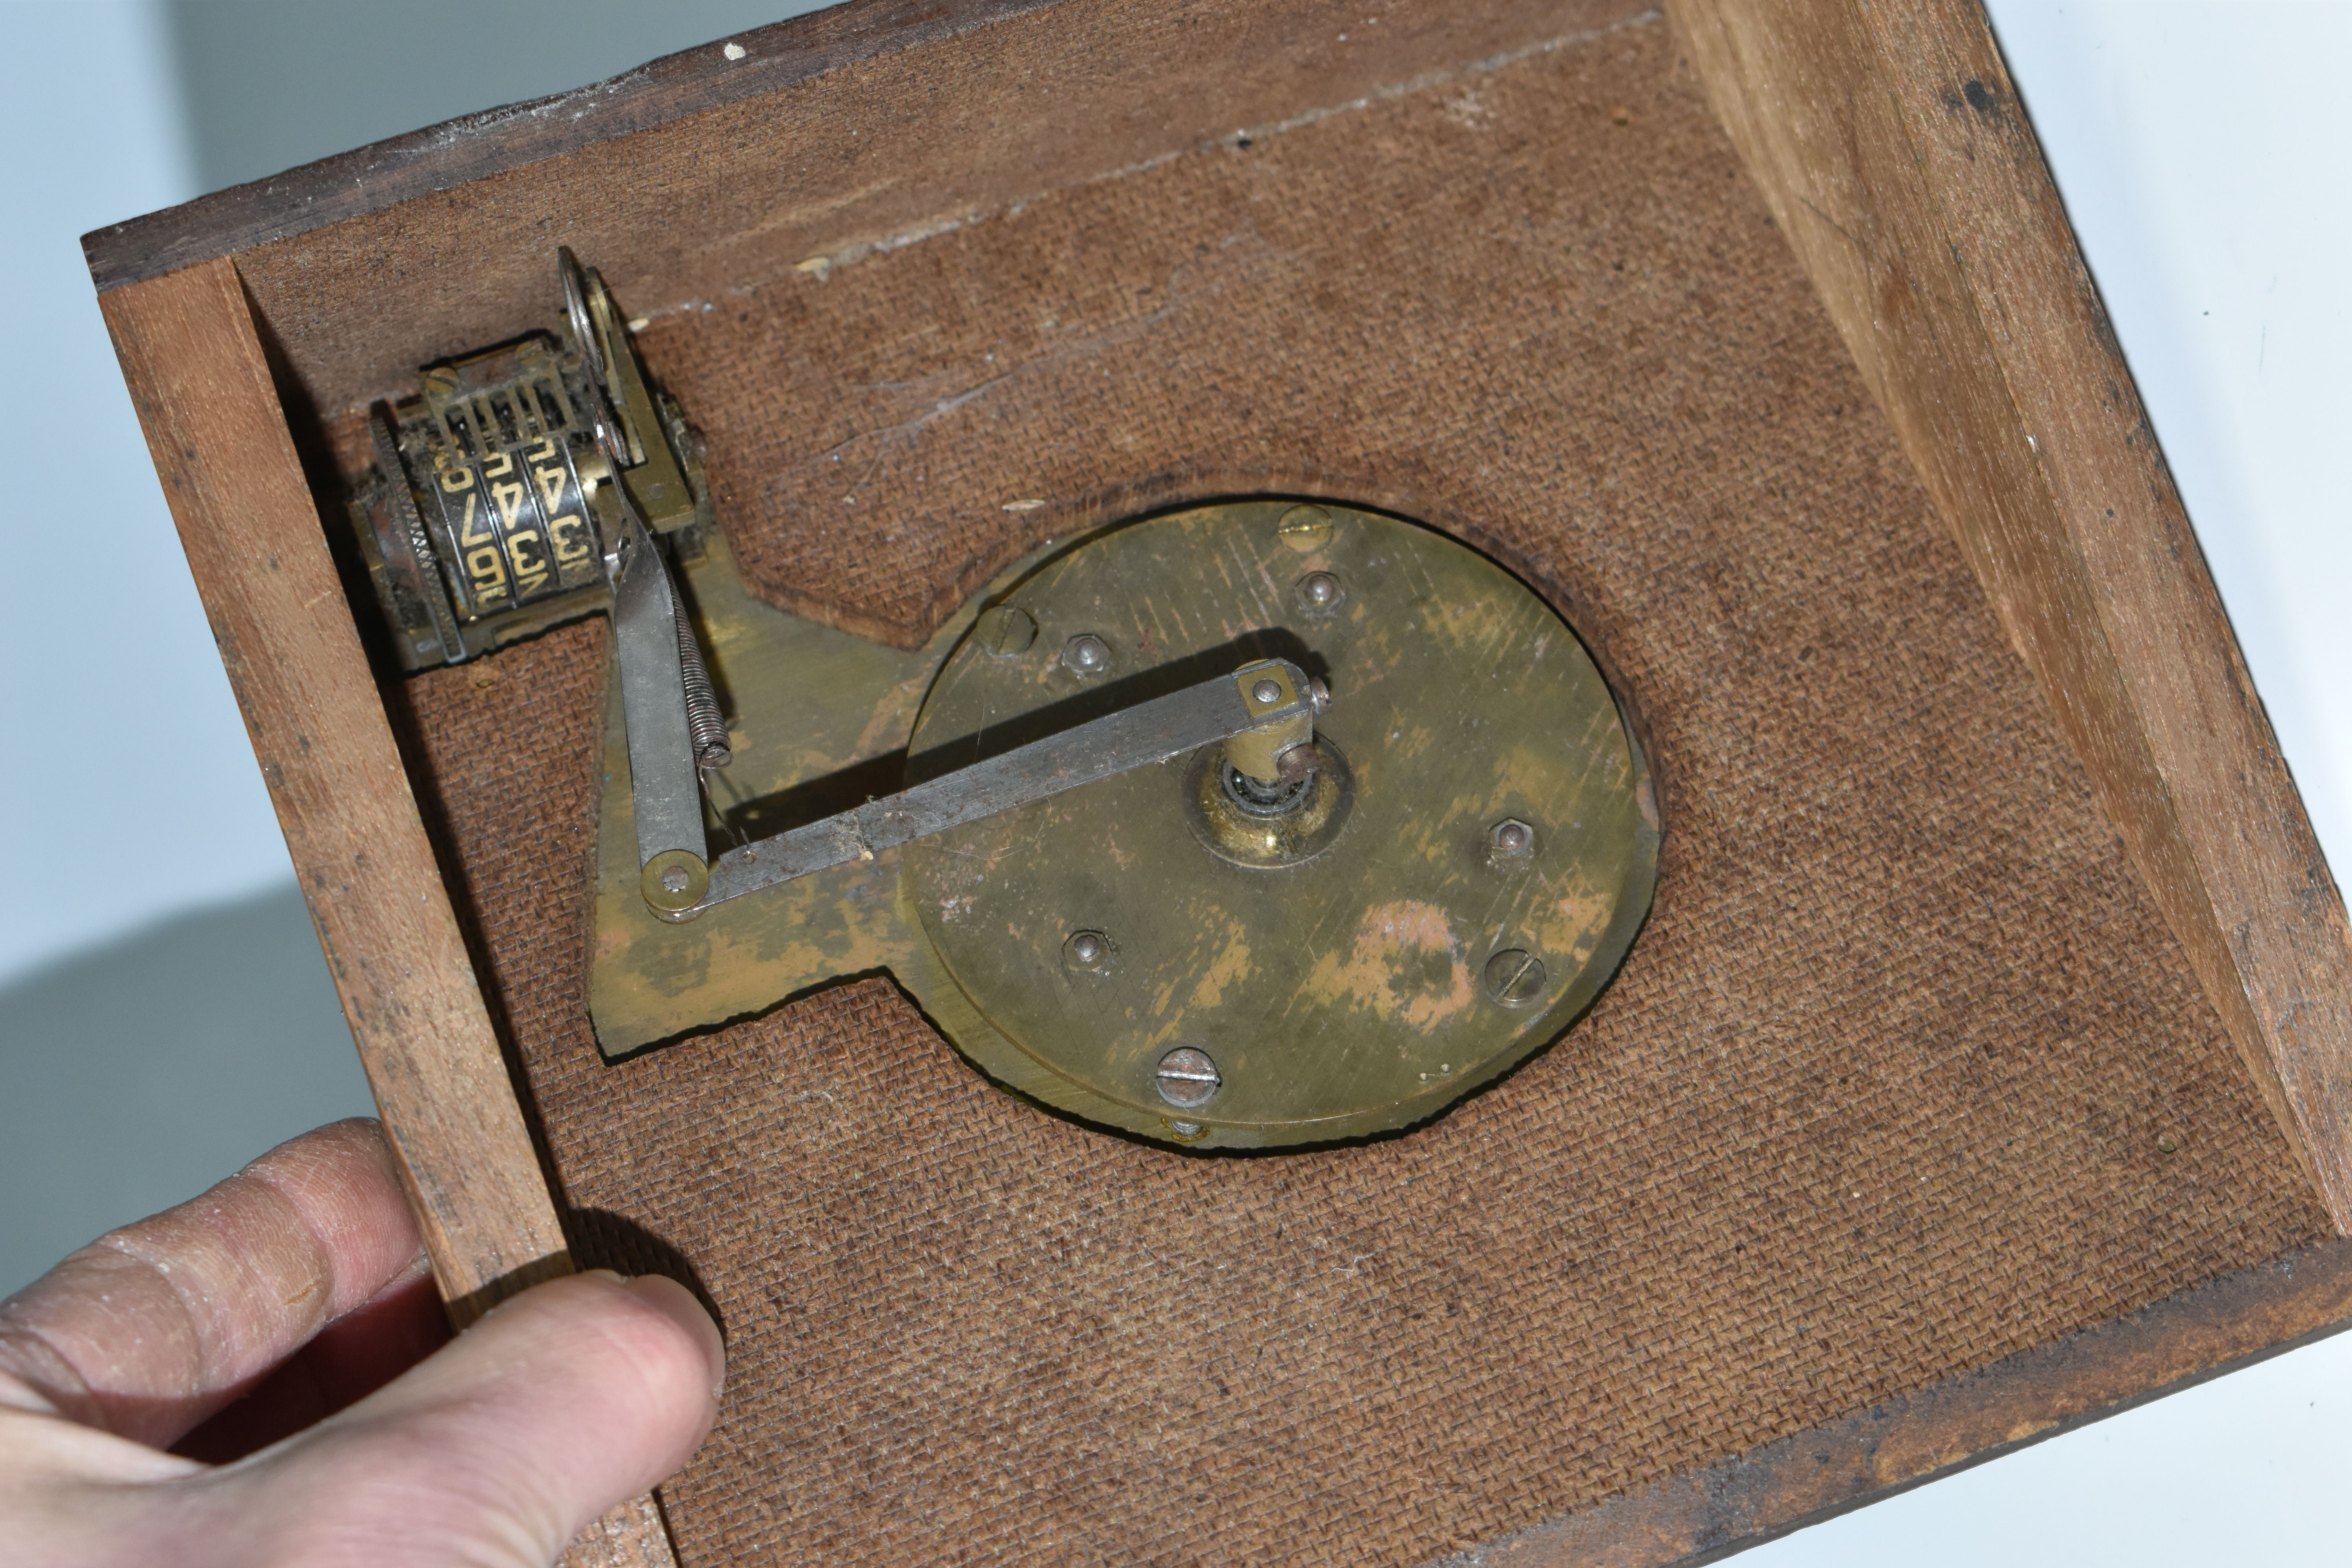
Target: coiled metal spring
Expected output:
[705,726]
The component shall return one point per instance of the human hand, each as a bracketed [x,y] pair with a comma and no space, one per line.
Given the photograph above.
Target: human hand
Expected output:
[292,1303]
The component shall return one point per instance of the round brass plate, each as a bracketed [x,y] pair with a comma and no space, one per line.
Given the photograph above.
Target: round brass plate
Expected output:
[1334,964]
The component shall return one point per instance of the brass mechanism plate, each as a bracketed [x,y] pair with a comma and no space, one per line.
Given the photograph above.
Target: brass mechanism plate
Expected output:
[1324,959]
[1452,891]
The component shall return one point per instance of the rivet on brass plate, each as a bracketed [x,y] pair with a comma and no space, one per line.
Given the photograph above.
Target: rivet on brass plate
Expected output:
[1088,951]
[1515,977]
[1511,839]
[673,882]
[1085,653]
[1320,591]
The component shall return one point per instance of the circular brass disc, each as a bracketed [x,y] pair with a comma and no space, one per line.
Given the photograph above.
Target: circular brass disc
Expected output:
[1364,972]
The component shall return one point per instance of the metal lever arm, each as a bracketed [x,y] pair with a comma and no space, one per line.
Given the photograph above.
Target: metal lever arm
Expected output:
[664,788]
[1268,697]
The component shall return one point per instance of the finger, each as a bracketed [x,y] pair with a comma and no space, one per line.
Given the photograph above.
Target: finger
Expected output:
[152,1328]
[348,1360]
[574,1397]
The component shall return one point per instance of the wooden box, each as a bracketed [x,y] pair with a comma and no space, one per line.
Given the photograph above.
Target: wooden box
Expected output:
[1985,1066]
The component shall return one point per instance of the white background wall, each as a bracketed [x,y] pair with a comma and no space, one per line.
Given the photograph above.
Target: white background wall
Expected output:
[163,1016]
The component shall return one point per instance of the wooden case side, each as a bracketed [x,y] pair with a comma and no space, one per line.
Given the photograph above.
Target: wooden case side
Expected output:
[1891,149]
[1747,1499]
[438,158]
[201,383]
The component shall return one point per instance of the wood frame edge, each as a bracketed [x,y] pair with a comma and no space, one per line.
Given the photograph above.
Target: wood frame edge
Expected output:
[1766,1492]
[318,195]
[1893,151]
[200,379]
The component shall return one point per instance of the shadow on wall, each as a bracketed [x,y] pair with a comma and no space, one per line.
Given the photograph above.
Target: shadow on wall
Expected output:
[140,1073]
[269,84]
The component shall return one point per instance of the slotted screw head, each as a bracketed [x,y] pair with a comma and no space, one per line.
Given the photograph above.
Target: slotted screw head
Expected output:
[1266,691]
[1187,1078]
[1087,654]
[1007,632]
[1515,977]
[1305,528]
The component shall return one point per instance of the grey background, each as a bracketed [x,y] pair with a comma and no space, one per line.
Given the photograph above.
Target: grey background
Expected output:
[269,84]
[164,1014]
[135,1072]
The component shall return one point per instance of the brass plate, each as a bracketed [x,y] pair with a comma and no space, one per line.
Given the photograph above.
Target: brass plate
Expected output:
[1371,979]
[819,720]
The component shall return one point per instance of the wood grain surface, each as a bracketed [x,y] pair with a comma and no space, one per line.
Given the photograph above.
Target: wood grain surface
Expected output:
[691,214]
[201,383]
[318,195]
[1893,150]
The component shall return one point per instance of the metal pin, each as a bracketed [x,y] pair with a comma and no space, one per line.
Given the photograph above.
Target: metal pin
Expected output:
[1087,654]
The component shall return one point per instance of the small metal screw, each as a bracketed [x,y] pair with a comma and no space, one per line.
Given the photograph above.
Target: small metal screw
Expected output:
[675,879]
[1187,1078]
[1320,590]
[1089,950]
[1515,977]
[1087,654]
[1297,763]
[1007,632]
[1305,528]
[1320,694]
[1266,691]
[1512,839]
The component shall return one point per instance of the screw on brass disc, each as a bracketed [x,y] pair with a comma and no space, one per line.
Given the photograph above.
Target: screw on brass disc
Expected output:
[1088,951]
[1515,977]
[1005,632]
[1327,938]
[1187,1078]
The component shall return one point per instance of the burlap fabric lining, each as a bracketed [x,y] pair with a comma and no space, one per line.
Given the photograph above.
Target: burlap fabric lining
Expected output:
[1878,1099]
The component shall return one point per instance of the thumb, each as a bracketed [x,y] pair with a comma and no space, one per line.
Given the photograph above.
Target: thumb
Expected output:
[496,1450]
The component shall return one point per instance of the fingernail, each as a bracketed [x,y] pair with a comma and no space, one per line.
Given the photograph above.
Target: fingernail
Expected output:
[675,1302]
